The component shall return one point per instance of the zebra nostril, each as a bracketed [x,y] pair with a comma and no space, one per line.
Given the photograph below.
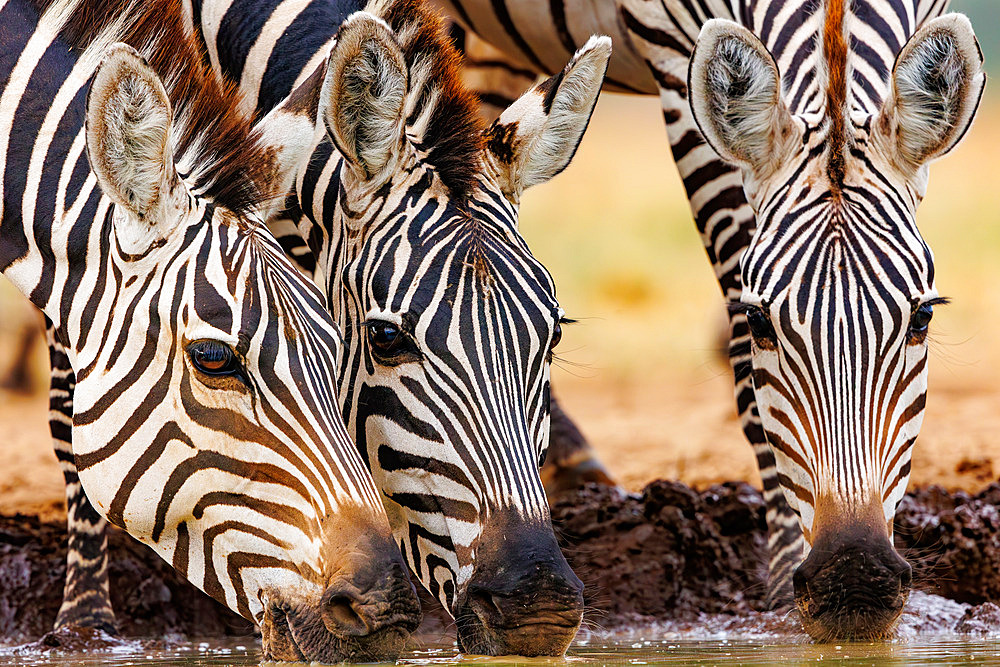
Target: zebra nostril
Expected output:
[905,578]
[340,615]
[485,606]
[799,584]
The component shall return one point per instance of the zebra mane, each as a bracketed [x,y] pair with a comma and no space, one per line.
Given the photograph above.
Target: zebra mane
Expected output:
[835,56]
[442,116]
[215,145]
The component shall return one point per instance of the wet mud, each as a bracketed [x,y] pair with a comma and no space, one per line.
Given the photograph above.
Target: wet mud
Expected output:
[149,598]
[670,557]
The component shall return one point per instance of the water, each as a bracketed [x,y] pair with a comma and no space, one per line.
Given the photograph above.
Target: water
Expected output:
[627,649]
[927,635]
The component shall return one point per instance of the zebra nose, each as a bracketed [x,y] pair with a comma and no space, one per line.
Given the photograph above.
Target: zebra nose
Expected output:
[370,596]
[523,598]
[485,605]
[851,586]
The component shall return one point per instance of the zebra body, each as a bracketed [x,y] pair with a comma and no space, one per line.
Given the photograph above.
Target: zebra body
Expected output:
[828,471]
[202,363]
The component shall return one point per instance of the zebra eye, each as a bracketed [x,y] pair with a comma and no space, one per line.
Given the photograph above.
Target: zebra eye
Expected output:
[556,336]
[213,357]
[389,343]
[760,324]
[383,336]
[920,318]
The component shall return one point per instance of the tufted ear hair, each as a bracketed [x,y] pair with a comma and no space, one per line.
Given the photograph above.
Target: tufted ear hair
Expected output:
[735,93]
[363,94]
[128,143]
[937,83]
[536,137]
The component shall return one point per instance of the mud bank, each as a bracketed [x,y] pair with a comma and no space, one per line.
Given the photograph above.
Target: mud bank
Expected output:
[148,596]
[671,557]
[672,553]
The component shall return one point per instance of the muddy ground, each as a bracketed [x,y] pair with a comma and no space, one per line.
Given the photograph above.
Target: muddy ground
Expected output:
[668,554]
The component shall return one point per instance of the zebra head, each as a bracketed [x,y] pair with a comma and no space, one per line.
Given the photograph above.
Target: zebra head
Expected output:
[449,320]
[205,423]
[838,285]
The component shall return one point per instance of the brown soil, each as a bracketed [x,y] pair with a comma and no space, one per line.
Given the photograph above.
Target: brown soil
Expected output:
[148,596]
[669,554]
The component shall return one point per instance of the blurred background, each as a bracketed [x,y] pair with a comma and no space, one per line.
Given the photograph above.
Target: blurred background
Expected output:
[643,372]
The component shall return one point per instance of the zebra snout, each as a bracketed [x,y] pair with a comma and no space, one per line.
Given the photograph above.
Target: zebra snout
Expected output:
[366,614]
[522,599]
[852,589]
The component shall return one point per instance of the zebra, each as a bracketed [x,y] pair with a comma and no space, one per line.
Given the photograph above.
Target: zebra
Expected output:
[202,362]
[852,100]
[462,489]
[449,324]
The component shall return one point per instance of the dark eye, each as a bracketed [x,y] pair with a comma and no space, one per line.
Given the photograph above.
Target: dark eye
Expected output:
[920,318]
[389,343]
[556,336]
[213,357]
[383,336]
[760,324]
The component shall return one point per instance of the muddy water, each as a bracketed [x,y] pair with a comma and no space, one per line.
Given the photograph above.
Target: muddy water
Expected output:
[932,630]
[625,649]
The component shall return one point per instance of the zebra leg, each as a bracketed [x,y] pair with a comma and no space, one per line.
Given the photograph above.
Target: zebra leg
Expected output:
[86,595]
[726,223]
[785,542]
[570,462]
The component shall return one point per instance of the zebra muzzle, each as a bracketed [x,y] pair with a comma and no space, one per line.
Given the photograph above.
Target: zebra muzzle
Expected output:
[852,588]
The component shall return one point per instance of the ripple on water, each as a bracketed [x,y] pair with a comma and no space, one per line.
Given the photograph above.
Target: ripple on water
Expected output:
[927,635]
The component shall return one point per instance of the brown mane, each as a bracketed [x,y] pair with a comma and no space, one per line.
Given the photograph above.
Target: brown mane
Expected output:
[835,53]
[451,141]
[213,140]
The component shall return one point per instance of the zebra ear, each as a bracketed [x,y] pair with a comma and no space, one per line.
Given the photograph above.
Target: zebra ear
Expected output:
[735,93]
[536,137]
[937,83]
[362,98]
[128,130]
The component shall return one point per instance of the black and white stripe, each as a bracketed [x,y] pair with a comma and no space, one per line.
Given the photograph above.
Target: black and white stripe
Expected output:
[200,364]
[455,422]
[506,37]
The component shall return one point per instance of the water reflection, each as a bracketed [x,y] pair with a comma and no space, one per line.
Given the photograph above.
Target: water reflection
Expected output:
[619,650]
[929,634]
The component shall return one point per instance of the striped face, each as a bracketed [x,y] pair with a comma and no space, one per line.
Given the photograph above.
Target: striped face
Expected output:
[206,419]
[452,321]
[838,294]
[449,321]
[838,288]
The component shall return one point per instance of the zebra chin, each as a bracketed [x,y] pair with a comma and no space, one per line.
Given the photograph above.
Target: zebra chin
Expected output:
[365,615]
[852,586]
